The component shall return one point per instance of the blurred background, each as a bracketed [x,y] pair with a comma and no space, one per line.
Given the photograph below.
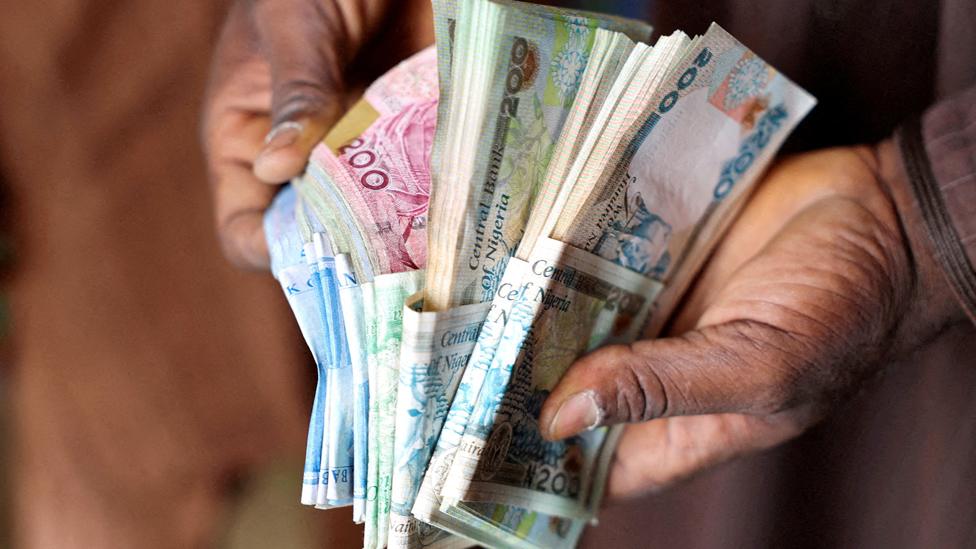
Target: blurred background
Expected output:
[152,395]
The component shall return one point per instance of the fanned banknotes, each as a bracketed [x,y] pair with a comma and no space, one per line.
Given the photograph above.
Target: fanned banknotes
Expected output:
[541,183]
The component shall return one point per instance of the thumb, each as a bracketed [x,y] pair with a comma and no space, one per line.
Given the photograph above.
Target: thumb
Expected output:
[305,43]
[737,367]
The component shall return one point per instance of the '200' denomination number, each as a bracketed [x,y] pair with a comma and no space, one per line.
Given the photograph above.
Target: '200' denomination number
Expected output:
[374,179]
[544,478]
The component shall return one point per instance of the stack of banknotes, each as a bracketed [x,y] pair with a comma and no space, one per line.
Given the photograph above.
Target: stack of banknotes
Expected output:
[539,183]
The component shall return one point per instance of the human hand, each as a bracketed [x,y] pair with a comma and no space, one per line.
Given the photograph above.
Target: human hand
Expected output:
[813,288]
[283,73]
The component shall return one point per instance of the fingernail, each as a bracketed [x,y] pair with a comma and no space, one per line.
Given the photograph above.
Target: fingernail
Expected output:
[577,413]
[281,136]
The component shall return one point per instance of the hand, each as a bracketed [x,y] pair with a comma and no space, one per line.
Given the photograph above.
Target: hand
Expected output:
[281,77]
[812,289]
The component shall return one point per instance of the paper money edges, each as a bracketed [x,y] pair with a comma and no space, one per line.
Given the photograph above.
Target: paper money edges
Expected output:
[505,526]
[374,163]
[721,99]
[299,282]
[539,57]
[390,293]
[353,315]
[335,481]
[578,303]
[435,348]
[427,502]
[508,526]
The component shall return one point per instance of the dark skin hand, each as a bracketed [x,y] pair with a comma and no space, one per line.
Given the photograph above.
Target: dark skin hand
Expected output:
[283,73]
[816,286]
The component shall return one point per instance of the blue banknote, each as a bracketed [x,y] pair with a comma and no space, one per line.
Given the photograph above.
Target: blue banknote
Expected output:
[337,462]
[300,283]
[351,299]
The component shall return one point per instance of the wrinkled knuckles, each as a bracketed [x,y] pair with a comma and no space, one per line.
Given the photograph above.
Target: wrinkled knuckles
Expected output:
[641,394]
[774,365]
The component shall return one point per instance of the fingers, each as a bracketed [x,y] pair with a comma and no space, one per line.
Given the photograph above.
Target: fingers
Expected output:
[276,88]
[239,197]
[740,366]
[307,44]
[235,122]
[804,322]
[654,455]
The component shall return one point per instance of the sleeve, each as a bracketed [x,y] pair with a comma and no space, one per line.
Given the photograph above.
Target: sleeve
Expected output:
[938,153]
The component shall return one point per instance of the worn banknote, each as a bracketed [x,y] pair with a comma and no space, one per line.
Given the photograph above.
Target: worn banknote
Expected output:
[571,302]
[376,161]
[390,293]
[713,127]
[335,486]
[299,282]
[434,351]
[428,501]
[520,66]
[354,320]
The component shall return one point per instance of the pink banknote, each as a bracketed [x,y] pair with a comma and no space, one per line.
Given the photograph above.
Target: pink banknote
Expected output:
[384,172]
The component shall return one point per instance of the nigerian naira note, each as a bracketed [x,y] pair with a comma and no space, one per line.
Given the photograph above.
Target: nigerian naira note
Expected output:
[720,116]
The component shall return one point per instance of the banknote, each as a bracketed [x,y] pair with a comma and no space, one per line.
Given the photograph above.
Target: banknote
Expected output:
[525,66]
[573,302]
[495,525]
[428,500]
[610,55]
[353,317]
[714,125]
[377,158]
[434,350]
[361,182]
[627,98]
[372,454]
[337,467]
[321,500]
[299,282]
[432,359]
[389,294]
